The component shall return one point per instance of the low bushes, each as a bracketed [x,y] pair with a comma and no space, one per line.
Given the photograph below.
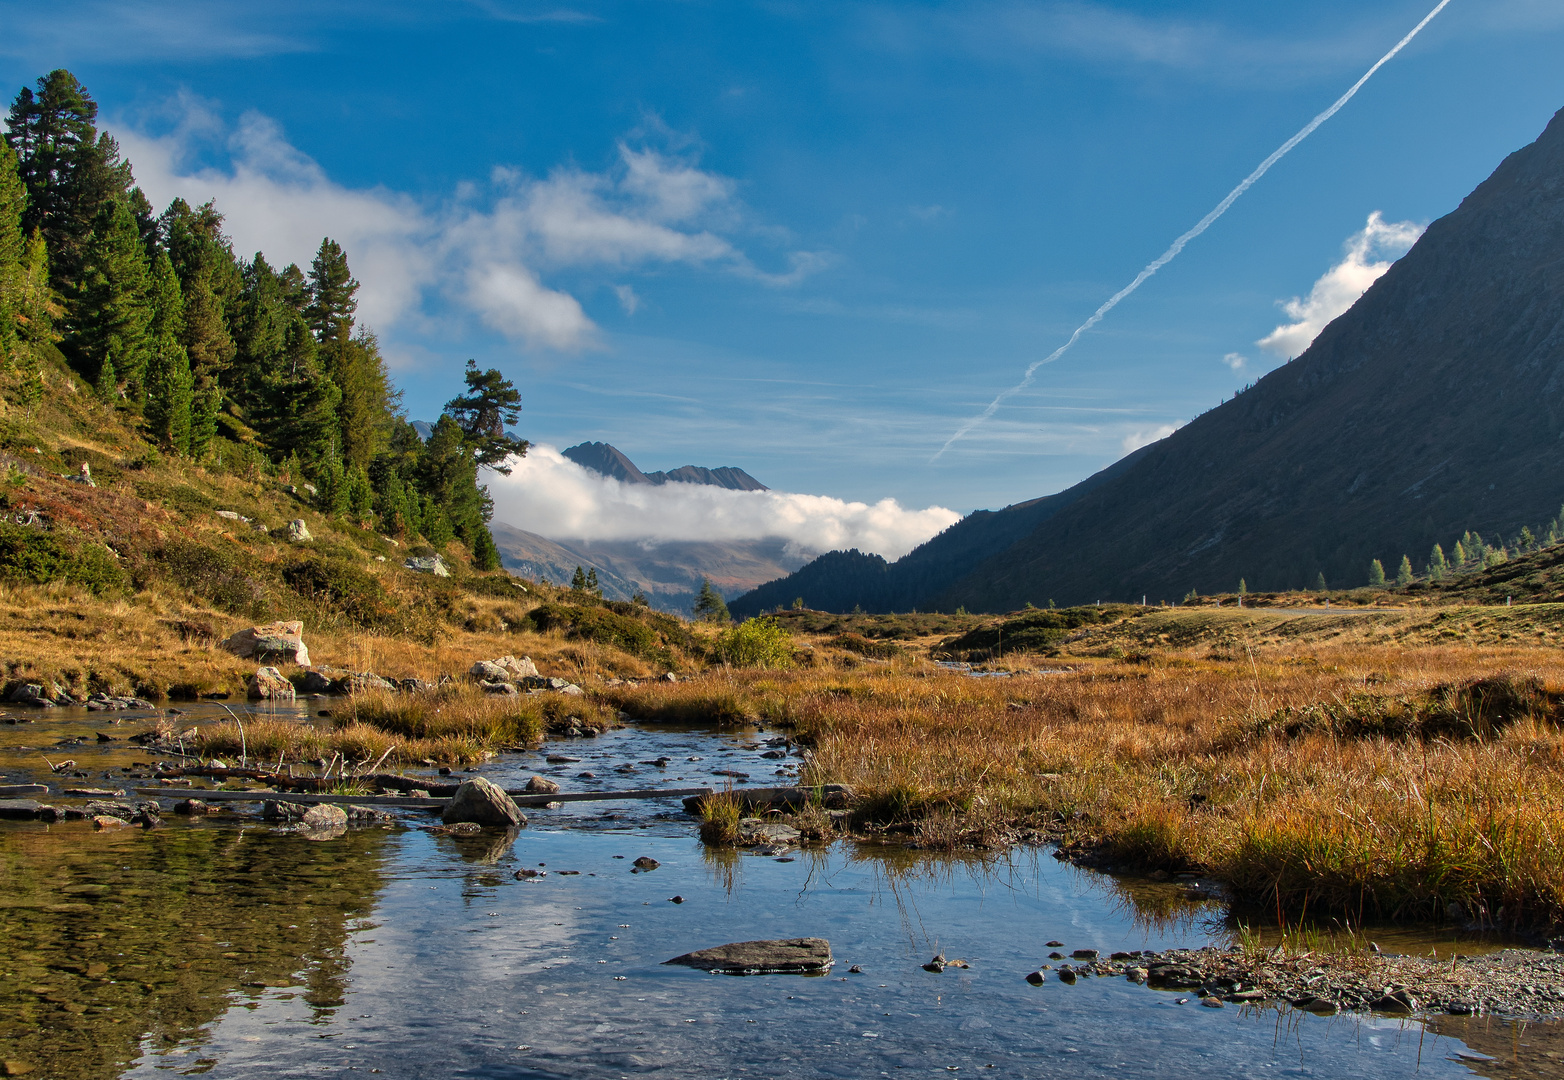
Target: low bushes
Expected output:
[36,556]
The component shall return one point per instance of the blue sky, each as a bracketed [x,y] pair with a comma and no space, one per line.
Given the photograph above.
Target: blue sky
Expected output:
[812,240]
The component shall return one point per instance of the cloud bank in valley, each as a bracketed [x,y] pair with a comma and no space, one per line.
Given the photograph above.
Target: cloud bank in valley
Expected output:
[551,495]
[1369,253]
[486,250]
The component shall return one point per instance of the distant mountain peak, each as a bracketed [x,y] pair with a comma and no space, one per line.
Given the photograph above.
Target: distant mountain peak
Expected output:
[608,460]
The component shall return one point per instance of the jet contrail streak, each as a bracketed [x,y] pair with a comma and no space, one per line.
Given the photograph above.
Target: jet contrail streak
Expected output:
[1178,245]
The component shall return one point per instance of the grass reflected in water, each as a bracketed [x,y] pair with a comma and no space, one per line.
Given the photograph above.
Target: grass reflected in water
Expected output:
[125,943]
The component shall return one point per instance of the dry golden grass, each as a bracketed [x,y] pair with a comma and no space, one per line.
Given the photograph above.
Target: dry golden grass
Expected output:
[1178,764]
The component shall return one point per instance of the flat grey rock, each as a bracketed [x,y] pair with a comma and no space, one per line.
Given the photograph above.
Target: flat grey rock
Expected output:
[786,955]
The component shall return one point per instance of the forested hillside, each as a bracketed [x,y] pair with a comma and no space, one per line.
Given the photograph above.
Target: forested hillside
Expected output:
[214,356]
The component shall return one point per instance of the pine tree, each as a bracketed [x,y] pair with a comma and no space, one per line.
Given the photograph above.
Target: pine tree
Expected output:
[1376,574]
[169,387]
[491,403]
[1404,572]
[113,315]
[1437,564]
[709,605]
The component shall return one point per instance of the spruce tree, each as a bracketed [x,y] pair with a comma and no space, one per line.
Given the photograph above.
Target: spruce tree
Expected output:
[1404,572]
[169,387]
[709,605]
[332,294]
[113,316]
[1376,574]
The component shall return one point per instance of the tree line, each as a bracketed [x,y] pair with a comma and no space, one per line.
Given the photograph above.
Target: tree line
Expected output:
[215,355]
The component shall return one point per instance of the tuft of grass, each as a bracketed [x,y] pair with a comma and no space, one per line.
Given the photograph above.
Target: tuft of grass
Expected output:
[720,814]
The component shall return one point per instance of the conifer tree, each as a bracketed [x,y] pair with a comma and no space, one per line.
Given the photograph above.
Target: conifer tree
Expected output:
[69,170]
[491,403]
[169,387]
[113,314]
[332,294]
[368,398]
[1376,574]
[709,605]
[13,251]
[1404,572]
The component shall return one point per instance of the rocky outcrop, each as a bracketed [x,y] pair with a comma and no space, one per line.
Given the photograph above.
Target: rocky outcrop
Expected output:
[428,564]
[278,642]
[483,802]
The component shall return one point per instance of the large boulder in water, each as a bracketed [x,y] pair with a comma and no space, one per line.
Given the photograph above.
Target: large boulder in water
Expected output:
[279,642]
[269,684]
[484,803]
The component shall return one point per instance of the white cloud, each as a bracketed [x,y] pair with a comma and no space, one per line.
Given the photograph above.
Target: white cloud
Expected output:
[1342,284]
[549,494]
[1136,439]
[486,249]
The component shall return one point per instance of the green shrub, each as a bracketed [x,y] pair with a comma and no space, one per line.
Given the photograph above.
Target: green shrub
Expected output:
[758,642]
[32,555]
[599,625]
[342,588]
[221,576]
[857,643]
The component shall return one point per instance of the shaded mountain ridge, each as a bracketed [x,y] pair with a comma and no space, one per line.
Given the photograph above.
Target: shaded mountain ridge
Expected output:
[1434,405]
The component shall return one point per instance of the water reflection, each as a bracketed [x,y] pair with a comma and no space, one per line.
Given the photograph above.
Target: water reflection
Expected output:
[119,942]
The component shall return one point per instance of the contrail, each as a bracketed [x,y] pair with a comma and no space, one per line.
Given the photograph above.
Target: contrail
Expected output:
[1178,245]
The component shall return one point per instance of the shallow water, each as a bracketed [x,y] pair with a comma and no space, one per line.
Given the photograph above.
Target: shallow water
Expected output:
[206,947]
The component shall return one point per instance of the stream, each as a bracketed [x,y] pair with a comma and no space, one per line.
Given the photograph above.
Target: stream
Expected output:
[209,946]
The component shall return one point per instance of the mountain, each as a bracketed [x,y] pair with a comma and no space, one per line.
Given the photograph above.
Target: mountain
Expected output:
[668,573]
[610,461]
[842,580]
[1434,405]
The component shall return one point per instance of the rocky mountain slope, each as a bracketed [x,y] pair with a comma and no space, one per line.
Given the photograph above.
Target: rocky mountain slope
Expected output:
[669,574]
[610,461]
[1434,405]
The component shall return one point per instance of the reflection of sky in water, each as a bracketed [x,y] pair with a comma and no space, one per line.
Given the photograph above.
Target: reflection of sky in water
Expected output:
[462,965]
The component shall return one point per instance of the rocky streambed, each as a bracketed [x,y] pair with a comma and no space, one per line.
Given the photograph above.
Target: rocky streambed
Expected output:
[1516,983]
